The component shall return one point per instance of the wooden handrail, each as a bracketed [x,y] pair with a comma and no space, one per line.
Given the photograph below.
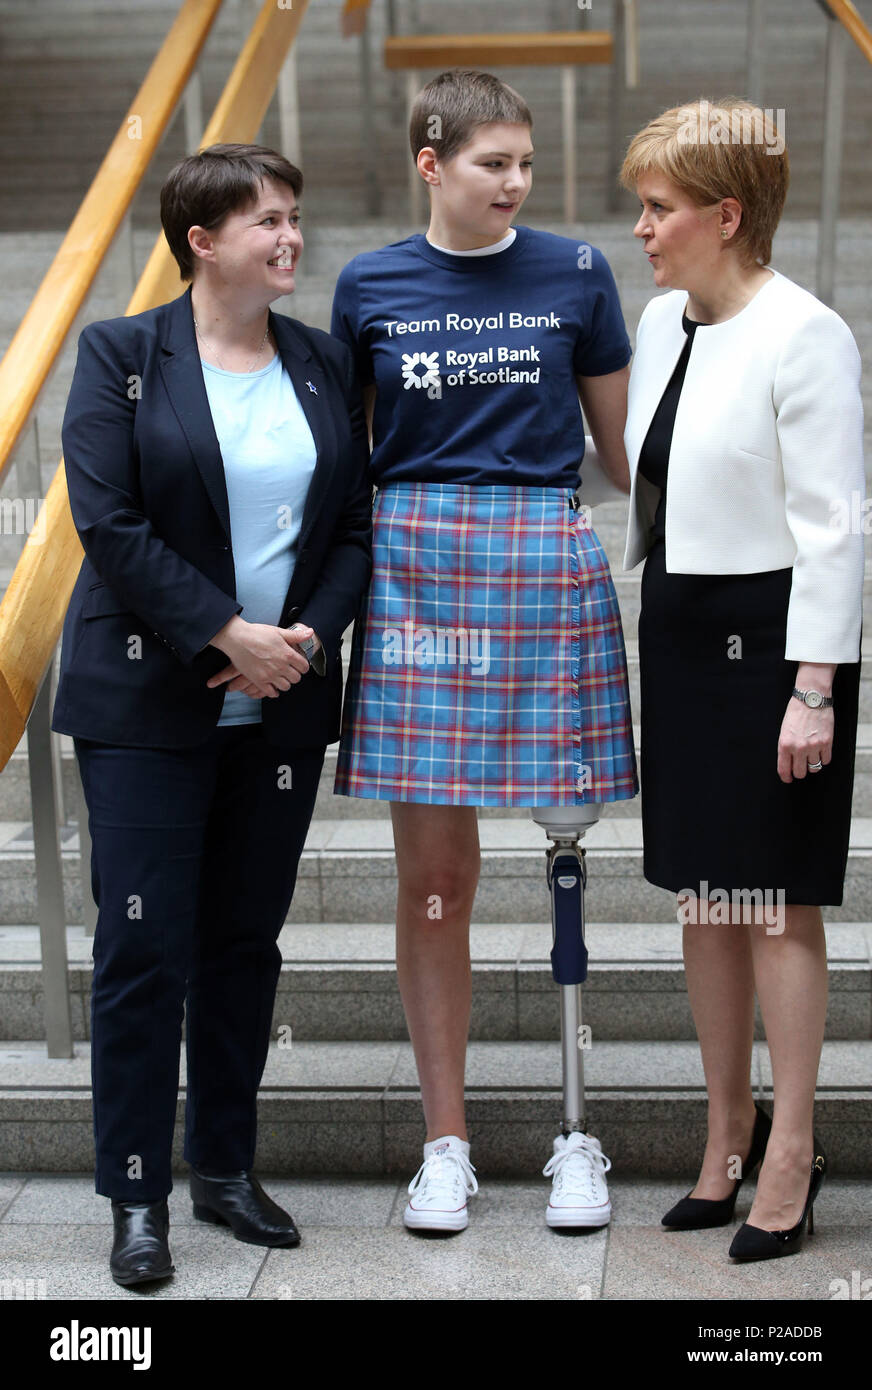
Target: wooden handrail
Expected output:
[40,336]
[33,608]
[238,114]
[850,19]
[558,48]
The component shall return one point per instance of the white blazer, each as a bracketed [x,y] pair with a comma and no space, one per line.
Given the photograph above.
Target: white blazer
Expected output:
[766,465]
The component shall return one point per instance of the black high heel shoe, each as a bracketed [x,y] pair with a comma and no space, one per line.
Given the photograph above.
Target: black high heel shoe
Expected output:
[753,1243]
[698,1213]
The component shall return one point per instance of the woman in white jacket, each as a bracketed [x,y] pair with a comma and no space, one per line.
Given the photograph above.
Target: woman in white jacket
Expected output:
[745,442]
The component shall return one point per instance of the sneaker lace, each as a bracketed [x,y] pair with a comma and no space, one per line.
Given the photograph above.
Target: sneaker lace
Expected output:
[578,1162]
[442,1172]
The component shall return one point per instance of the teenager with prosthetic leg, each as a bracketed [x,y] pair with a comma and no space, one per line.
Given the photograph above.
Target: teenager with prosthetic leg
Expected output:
[488,665]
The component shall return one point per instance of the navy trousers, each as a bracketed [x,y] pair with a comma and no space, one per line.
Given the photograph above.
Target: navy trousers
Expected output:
[194,862]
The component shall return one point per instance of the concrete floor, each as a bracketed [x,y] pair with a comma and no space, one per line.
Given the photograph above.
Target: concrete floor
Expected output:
[56,1232]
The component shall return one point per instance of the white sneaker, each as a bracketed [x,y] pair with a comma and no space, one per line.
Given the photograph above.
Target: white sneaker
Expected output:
[438,1191]
[579,1195]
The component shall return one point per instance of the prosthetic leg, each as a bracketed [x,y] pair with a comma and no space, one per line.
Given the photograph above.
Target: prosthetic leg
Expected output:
[565,826]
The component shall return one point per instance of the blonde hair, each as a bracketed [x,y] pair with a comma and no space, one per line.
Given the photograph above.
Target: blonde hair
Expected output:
[714,150]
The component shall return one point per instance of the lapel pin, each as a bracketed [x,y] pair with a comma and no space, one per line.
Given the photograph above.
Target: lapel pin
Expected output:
[312,388]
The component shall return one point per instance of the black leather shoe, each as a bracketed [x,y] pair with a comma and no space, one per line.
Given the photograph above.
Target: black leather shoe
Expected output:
[140,1252]
[237,1200]
[753,1243]
[699,1213]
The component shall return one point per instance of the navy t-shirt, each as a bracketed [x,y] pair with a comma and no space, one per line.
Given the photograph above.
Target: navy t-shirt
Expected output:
[475,357]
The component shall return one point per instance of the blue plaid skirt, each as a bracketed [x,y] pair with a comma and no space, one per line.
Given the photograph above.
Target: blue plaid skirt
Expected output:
[488,664]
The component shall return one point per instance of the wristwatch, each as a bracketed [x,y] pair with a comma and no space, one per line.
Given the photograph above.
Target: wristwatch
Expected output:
[308,647]
[813,698]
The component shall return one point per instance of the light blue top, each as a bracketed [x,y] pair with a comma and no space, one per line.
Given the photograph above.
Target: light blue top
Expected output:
[269,457]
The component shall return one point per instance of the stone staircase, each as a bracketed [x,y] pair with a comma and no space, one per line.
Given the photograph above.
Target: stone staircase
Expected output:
[69,70]
[342,1097]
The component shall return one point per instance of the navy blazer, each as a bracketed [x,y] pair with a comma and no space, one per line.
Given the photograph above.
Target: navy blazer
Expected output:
[149,500]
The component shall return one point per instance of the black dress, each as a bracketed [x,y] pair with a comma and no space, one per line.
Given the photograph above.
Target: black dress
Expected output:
[714,690]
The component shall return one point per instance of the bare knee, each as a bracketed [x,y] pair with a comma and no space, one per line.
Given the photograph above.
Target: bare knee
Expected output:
[441,887]
[438,860]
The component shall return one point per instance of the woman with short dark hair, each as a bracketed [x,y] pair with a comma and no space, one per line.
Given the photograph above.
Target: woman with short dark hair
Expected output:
[216,460]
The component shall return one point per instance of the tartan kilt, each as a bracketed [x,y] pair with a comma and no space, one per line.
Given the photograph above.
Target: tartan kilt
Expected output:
[487,664]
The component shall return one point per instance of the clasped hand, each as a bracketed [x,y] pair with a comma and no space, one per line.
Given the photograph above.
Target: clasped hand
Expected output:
[263,660]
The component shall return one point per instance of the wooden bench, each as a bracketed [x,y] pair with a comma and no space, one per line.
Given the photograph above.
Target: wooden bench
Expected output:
[564,49]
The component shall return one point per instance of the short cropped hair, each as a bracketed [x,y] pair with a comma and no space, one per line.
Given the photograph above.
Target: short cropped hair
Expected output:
[202,189]
[714,150]
[448,111]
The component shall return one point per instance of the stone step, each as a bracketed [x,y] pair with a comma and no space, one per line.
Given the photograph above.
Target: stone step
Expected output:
[347,873]
[338,983]
[354,1107]
[70,70]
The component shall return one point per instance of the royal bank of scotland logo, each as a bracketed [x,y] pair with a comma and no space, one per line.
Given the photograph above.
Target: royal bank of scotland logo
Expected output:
[421,370]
